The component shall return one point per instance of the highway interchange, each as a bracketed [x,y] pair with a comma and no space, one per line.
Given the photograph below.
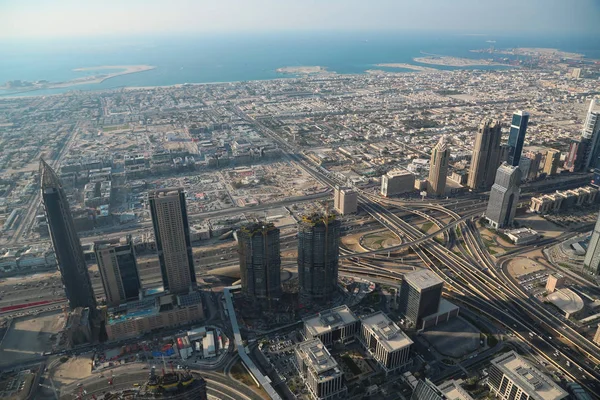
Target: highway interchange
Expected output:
[473,278]
[476,281]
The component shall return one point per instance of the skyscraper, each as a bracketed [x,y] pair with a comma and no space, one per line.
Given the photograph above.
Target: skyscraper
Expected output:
[591,263]
[486,155]
[575,159]
[118,270]
[260,260]
[552,161]
[516,137]
[420,294]
[67,248]
[345,200]
[504,196]
[591,133]
[438,168]
[172,235]
[318,255]
[534,167]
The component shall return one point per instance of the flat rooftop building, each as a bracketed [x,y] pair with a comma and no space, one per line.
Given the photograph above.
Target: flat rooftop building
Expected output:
[397,181]
[569,302]
[338,324]
[453,391]
[157,312]
[385,341]
[320,372]
[511,377]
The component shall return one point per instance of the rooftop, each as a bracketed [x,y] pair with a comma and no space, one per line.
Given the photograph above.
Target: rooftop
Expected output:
[454,391]
[388,333]
[567,300]
[537,385]
[398,172]
[318,358]
[423,279]
[444,308]
[329,320]
[165,192]
[151,306]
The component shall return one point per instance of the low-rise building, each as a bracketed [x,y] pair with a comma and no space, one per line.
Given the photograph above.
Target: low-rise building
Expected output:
[567,301]
[563,200]
[512,377]
[453,391]
[445,312]
[338,324]
[384,340]
[320,372]
[396,182]
[522,235]
[163,311]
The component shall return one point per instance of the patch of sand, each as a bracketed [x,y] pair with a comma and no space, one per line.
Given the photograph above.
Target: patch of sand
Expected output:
[73,370]
[521,266]
[541,225]
[28,337]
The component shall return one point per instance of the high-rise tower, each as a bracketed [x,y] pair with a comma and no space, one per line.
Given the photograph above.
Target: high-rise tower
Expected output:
[67,248]
[504,196]
[591,133]
[575,160]
[260,260]
[438,168]
[516,137]
[118,270]
[172,235]
[591,263]
[318,255]
[420,295]
[486,155]
[552,161]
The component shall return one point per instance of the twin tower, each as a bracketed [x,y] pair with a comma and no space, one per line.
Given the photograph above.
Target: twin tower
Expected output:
[318,258]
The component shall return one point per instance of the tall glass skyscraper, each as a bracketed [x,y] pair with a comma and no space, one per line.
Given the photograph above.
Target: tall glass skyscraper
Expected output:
[591,133]
[591,263]
[318,256]
[260,260]
[486,155]
[67,247]
[516,137]
[172,235]
[504,196]
[118,270]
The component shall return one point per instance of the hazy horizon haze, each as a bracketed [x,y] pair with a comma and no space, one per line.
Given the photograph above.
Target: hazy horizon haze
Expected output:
[38,19]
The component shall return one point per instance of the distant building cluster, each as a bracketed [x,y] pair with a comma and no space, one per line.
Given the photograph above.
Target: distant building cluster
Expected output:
[563,200]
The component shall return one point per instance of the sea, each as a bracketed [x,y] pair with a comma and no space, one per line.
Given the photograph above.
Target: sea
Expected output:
[211,58]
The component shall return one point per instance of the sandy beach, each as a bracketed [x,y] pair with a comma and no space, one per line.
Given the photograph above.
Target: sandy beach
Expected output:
[304,70]
[407,66]
[453,61]
[85,80]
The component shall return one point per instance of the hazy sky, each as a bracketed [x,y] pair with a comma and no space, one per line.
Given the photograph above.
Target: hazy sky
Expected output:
[52,18]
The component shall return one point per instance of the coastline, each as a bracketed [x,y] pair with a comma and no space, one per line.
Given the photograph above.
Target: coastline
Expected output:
[417,68]
[304,70]
[89,80]
[449,61]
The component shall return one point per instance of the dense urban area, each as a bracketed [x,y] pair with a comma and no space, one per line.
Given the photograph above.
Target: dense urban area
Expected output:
[420,235]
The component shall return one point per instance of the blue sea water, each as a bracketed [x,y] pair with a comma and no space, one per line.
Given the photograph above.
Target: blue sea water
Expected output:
[236,57]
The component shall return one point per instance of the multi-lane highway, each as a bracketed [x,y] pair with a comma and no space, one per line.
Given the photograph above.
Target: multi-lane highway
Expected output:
[474,281]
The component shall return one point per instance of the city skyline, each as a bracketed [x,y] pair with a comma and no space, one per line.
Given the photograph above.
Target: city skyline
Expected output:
[198,218]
